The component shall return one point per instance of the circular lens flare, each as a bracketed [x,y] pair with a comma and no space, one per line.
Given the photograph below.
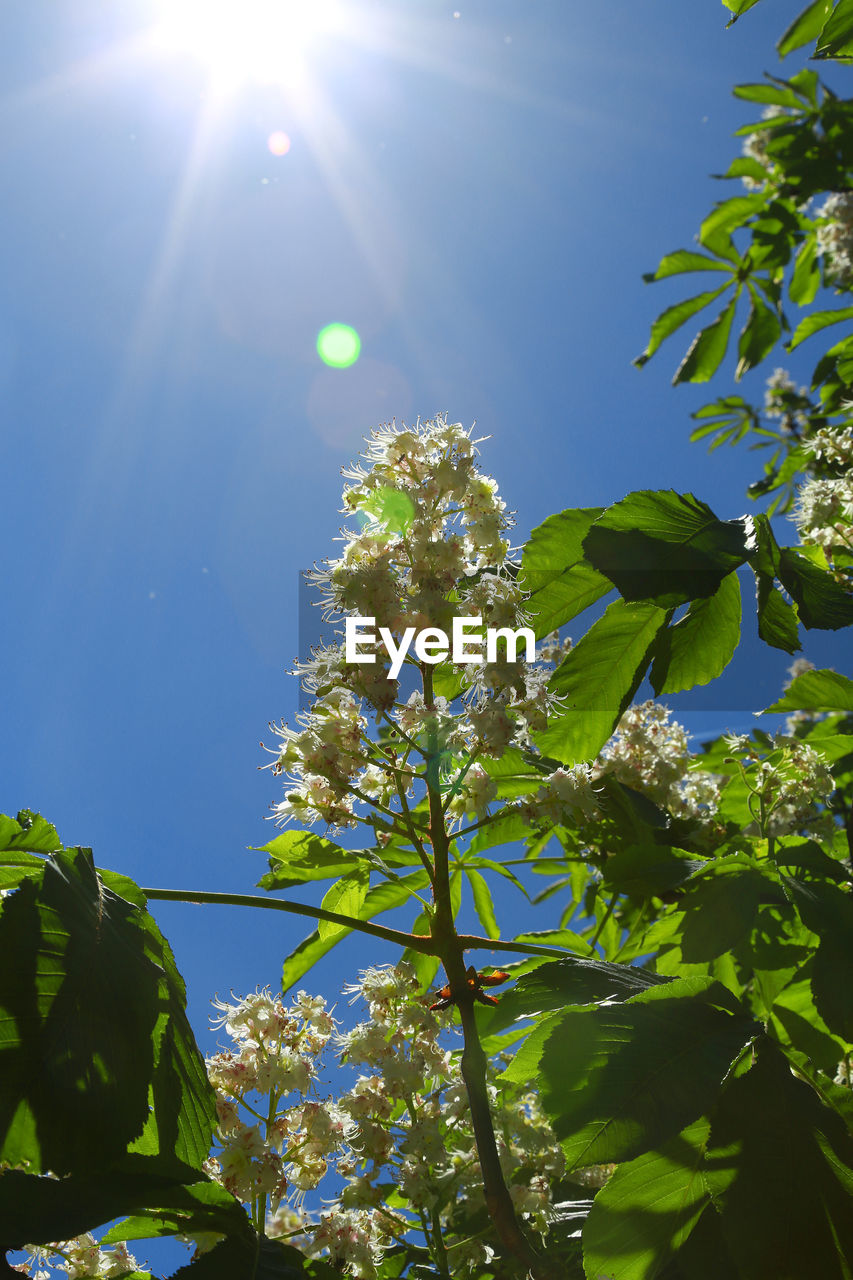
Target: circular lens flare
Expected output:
[278,143]
[338,345]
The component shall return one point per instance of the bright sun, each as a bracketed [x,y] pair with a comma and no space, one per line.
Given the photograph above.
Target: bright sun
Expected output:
[240,40]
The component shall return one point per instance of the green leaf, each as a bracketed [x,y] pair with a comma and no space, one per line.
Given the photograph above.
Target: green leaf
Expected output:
[40,1210]
[684,260]
[815,322]
[731,213]
[483,904]
[74,964]
[828,912]
[202,1206]
[777,617]
[29,833]
[674,317]
[705,353]
[299,856]
[778,1168]
[758,336]
[700,646]
[251,1257]
[822,602]
[720,910]
[666,546]
[738,7]
[384,897]
[574,980]
[598,678]
[346,897]
[805,27]
[560,584]
[836,38]
[776,93]
[645,871]
[622,1079]
[805,280]
[647,1209]
[816,691]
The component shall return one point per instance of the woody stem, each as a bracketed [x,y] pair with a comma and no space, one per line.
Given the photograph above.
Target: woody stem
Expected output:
[448,945]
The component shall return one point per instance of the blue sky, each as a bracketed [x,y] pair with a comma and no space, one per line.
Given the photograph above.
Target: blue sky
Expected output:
[478,196]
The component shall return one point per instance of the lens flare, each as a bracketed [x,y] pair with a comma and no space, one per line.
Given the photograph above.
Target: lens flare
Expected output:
[278,142]
[244,40]
[338,345]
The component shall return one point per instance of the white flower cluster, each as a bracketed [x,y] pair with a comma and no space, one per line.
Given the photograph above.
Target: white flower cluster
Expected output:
[80,1259]
[835,237]
[430,548]
[276,1051]
[832,445]
[412,1116]
[649,753]
[404,1117]
[755,146]
[824,512]
[789,786]
[783,399]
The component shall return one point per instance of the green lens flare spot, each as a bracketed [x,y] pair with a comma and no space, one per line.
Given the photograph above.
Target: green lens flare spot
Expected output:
[338,345]
[390,507]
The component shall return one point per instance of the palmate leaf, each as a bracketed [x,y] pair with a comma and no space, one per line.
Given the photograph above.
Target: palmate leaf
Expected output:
[738,7]
[779,1169]
[622,1079]
[647,1209]
[73,962]
[822,602]
[558,983]
[251,1257]
[383,897]
[672,319]
[759,335]
[598,678]
[300,856]
[815,322]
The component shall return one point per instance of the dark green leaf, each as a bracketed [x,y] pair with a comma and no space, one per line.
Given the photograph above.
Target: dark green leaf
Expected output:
[666,546]
[647,1209]
[719,911]
[558,983]
[598,678]
[649,870]
[706,352]
[777,617]
[621,1079]
[731,213]
[828,912]
[74,963]
[700,646]
[778,1167]
[822,601]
